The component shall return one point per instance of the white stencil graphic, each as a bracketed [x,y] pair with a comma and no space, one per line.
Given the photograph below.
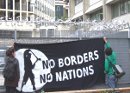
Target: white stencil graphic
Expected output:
[35,69]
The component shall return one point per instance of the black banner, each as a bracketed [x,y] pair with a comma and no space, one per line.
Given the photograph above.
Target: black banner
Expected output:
[61,66]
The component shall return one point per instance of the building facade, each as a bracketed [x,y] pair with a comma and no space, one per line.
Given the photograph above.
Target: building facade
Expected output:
[99,10]
[22,18]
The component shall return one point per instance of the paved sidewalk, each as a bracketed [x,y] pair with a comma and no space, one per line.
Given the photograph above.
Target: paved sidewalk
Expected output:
[101,86]
[99,89]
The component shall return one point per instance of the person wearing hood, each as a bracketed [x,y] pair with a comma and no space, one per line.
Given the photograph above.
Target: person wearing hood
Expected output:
[110,57]
[10,85]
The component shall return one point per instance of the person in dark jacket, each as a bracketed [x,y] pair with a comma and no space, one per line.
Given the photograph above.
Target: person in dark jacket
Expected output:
[11,85]
[110,57]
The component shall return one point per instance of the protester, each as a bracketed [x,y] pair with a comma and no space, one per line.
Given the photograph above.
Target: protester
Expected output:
[110,57]
[11,84]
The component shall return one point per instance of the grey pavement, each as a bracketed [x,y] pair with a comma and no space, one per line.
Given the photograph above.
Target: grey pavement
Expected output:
[101,86]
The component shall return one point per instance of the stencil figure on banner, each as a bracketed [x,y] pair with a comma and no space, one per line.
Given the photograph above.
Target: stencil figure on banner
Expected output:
[28,68]
[34,70]
[11,71]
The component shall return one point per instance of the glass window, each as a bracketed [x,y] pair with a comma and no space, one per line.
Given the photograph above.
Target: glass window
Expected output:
[17,4]
[97,15]
[3,4]
[59,11]
[115,10]
[10,4]
[128,5]
[123,7]
[2,14]
[120,8]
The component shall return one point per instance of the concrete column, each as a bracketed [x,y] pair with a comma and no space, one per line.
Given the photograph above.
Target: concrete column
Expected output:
[85,8]
[6,17]
[13,9]
[20,10]
[27,9]
[72,8]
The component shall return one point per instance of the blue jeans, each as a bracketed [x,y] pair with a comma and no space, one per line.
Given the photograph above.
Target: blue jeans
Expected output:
[111,81]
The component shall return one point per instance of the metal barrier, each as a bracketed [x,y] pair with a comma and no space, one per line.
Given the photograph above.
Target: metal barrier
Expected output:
[119,42]
[2,89]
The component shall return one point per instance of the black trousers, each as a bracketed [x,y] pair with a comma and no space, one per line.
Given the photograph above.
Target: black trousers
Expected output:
[11,89]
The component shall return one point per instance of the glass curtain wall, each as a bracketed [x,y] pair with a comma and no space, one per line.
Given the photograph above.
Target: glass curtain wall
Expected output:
[120,8]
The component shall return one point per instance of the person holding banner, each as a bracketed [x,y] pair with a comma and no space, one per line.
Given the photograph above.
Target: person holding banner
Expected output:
[110,57]
[11,71]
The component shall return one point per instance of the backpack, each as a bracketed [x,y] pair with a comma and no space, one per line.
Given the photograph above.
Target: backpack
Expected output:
[119,72]
[9,70]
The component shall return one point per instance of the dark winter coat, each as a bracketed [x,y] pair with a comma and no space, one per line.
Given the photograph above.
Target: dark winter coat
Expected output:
[14,82]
